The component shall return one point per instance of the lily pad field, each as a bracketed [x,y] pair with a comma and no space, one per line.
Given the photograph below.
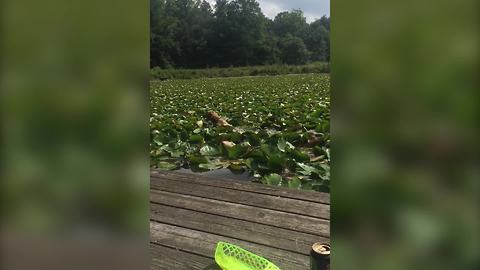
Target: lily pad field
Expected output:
[276,129]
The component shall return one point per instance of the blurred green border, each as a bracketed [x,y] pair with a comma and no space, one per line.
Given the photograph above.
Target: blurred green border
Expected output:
[404,135]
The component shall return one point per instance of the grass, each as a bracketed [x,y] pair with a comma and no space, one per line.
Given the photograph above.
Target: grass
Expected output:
[165,74]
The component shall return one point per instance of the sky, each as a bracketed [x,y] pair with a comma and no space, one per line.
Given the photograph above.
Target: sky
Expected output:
[313,9]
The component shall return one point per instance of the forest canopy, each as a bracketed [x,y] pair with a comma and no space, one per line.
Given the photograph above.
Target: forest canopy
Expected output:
[193,34]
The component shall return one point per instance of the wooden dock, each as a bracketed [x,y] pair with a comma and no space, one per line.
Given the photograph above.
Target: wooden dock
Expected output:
[190,213]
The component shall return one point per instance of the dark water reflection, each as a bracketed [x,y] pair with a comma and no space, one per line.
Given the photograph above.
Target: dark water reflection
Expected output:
[222,173]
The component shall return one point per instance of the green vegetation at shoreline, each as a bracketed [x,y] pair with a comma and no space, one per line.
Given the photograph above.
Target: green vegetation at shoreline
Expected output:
[269,70]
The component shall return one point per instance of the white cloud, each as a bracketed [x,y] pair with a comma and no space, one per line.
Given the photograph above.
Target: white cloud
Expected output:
[313,9]
[270,8]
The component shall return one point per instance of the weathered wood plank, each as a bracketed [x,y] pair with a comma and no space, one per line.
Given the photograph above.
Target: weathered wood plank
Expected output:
[289,205]
[204,244]
[312,196]
[274,218]
[239,229]
[166,258]
[190,214]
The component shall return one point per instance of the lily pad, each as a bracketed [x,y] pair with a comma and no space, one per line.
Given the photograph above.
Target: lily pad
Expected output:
[195,160]
[282,144]
[276,123]
[295,182]
[237,151]
[167,166]
[208,150]
[210,166]
[197,139]
[273,179]
[306,169]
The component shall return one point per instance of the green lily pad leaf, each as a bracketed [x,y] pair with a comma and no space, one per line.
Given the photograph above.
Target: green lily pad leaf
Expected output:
[290,146]
[258,155]
[292,136]
[307,186]
[253,138]
[176,153]
[327,151]
[195,160]
[197,139]
[210,166]
[167,166]
[245,144]
[183,135]
[282,144]
[273,179]
[299,155]
[239,130]
[236,167]
[272,132]
[307,170]
[250,163]
[325,167]
[315,159]
[318,151]
[197,130]
[295,183]
[157,141]
[276,163]
[324,126]
[235,137]
[268,150]
[237,151]
[163,158]
[208,150]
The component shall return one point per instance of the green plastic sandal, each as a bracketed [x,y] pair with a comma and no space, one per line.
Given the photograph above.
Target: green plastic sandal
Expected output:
[231,257]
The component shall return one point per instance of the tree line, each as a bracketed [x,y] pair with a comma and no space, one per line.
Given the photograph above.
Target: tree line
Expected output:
[193,34]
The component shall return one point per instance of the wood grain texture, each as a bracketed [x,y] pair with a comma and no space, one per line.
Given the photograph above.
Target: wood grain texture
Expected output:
[204,243]
[266,201]
[274,218]
[190,214]
[312,196]
[166,258]
[239,229]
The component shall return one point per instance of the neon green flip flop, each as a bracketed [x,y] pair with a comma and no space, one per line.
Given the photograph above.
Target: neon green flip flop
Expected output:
[231,257]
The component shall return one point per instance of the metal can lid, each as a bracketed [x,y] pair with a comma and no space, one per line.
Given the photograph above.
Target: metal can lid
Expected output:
[321,248]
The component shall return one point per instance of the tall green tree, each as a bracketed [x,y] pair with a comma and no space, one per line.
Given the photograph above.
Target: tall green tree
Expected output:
[290,23]
[291,27]
[192,34]
[163,42]
[240,35]
[317,39]
[292,50]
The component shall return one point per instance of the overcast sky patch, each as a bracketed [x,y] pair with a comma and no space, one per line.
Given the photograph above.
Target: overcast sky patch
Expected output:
[313,9]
